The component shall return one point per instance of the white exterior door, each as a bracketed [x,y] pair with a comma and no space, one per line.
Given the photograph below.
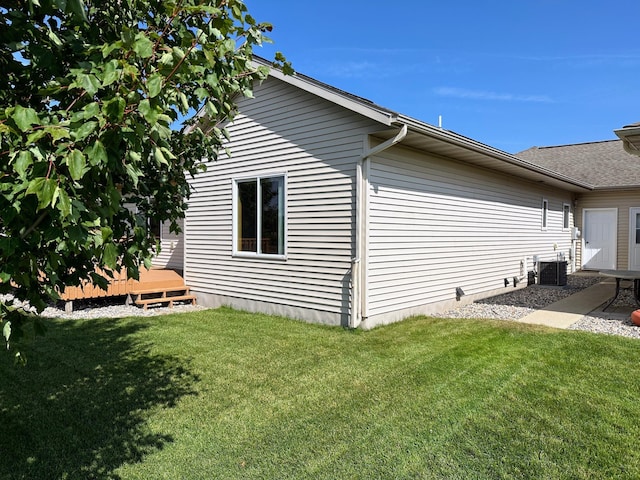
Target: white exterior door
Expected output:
[634,238]
[600,227]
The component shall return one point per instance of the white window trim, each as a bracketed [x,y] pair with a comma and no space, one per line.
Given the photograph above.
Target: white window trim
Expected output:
[566,207]
[234,217]
[544,214]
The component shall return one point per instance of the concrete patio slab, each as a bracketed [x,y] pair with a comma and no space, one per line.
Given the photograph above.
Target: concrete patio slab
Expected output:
[567,311]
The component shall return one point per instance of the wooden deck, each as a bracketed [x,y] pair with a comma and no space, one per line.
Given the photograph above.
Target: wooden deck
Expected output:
[120,285]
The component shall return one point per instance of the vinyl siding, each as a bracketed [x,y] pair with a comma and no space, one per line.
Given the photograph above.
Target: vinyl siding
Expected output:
[623,200]
[436,224]
[283,130]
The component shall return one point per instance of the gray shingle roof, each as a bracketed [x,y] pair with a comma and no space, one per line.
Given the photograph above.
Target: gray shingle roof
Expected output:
[601,164]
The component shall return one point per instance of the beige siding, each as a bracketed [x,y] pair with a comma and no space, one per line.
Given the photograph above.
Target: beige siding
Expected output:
[436,224]
[623,200]
[283,130]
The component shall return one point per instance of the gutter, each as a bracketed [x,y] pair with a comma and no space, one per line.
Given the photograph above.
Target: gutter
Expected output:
[359,264]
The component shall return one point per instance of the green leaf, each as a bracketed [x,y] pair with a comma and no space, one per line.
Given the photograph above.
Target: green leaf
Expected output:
[184,101]
[97,154]
[91,110]
[106,232]
[77,8]
[76,162]
[134,156]
[57,132]
[111,73]
[134,174]
[149,112]
[84,130]
[168,153]
[54,38]
[114,109]
[24,161]
[110,255]
[211,109]
[35,136]
[35,186]
[6,331]
[56,194]
[143,46]
[159,156]
[154,84]
[24,117]
[64,203]
[89,82]
[46,193]
[202,93]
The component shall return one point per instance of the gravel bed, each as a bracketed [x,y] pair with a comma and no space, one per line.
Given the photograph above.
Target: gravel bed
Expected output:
[113,307]
[519,303]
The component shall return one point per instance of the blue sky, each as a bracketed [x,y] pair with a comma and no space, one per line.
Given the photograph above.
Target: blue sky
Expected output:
[509,73]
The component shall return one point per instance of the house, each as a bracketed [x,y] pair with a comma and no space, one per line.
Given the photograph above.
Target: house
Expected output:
[609,213]
[335,210]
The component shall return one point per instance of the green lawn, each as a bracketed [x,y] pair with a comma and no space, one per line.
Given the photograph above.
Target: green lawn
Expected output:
[225,394]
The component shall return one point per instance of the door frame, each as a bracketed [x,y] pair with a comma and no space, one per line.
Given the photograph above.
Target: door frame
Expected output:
[632,236]
[585,229]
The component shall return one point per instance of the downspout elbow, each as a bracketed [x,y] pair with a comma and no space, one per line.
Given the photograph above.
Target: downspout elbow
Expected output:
[359,262]
[397,138]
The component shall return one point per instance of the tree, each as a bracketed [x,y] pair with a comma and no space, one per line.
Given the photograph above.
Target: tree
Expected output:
[90,96]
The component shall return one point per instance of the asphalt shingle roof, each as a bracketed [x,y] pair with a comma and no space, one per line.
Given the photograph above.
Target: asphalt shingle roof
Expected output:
[601,164]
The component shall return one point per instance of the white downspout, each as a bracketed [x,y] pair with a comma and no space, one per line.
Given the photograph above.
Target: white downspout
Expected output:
[359,264]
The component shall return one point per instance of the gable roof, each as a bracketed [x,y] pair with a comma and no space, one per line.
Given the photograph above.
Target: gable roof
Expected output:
[605,165]
[428,138]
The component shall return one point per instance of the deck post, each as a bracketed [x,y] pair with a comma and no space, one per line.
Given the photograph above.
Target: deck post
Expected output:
[68,306]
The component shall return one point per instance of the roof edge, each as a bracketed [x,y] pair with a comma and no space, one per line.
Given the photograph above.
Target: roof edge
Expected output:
[335,95]
[481,148]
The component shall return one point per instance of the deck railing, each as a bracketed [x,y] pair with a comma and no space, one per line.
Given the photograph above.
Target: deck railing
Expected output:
[121,285]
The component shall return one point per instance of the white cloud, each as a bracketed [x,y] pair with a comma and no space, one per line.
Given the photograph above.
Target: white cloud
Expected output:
[351,69]
[491,96]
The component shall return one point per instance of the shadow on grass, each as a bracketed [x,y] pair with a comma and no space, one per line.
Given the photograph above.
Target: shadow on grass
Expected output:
[80,407]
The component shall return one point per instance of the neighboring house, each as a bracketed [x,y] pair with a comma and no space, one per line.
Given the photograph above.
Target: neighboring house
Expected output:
[171,255]
[609,213]
[171,248]
[334,210]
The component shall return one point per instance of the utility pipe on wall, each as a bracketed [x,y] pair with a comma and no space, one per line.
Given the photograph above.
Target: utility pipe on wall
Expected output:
[360,262]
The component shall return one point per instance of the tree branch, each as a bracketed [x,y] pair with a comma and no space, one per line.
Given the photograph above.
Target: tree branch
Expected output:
[38,221]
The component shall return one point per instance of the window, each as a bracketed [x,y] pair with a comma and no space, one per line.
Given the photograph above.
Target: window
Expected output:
[154,226]
[259,215]
[545,213]
[566,216]
[637,228]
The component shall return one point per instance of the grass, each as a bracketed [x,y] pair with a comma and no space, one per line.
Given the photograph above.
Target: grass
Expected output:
[226,394]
